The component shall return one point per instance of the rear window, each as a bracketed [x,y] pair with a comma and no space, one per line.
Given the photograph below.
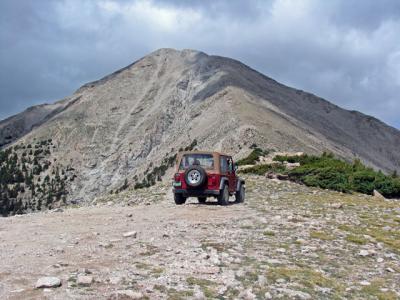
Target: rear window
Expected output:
[203,160]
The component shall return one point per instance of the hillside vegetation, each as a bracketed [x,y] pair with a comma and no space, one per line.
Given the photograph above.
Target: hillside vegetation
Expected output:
[29,180]
[328,172]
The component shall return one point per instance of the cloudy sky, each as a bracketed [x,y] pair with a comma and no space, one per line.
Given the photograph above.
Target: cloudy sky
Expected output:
[347,51]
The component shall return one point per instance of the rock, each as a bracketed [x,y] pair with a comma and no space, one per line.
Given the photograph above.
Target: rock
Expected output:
[84,280]
[199,295]
[291,166]
[267,295]
[106,245]
[48,282]
[261,280]
[127,294]
[270,175]
[85,271]
[337,205]
[363,252]
[379,260]
[390,270]
[208,270]
[282,176]
[129,215]
[378,195]
[132,234]
[247,295]
[273,261]
[365,283]
[281,250]
[58,210]
[115,280]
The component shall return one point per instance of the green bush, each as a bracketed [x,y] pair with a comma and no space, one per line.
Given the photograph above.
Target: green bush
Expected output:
[253,157]
[328,172]
[262,169]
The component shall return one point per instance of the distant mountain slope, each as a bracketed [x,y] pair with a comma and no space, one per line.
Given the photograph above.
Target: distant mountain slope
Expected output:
[123,126]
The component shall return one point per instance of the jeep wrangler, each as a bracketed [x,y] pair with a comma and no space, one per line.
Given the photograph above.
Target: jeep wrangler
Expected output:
[207,174]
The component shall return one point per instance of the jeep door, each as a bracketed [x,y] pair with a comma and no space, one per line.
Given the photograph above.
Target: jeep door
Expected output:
[228,171]
[231,175]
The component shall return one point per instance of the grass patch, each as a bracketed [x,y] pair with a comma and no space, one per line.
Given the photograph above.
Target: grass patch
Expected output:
[205,285]
[321,235]
[220,247]
[375,290]
[356,239]
[174,294]
[269,233]
[306,277]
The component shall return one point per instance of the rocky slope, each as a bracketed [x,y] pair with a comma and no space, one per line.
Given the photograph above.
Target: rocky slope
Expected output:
[285,242]
[131,123]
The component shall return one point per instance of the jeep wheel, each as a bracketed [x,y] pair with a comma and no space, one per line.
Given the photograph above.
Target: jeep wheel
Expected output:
[240,194]
[195,176]
[179,199]
[223,197]
[202,199]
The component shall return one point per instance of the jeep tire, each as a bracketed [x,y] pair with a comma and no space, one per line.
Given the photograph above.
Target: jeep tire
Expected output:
[179,199]
[240,194]
[195,176]
[202,199]
[223,197]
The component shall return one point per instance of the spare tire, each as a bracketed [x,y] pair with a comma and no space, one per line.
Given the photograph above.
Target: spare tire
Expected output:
[195,176]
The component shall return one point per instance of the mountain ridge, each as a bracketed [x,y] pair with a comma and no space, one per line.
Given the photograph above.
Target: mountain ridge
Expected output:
[121,127]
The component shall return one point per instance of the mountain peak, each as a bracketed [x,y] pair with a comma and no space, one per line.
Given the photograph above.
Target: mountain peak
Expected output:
[126,125]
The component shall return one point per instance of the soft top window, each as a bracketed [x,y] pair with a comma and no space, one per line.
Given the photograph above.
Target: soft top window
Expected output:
[205,161]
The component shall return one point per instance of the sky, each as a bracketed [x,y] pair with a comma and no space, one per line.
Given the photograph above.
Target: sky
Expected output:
[346,51]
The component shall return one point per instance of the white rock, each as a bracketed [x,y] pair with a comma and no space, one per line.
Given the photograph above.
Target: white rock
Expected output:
[130,234]
[363,252]
[84,280]
[379,259]
[247,295]
[390,270]
[48,282]
[199,295]
[115,280]
[268,295]
[365,283]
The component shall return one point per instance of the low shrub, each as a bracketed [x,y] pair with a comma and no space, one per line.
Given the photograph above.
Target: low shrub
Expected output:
[328,172]
[253,157]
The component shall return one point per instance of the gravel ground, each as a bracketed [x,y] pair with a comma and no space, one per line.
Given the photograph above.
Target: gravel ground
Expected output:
[286,241]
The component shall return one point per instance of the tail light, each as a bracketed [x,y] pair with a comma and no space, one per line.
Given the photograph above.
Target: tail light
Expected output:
[213,180]
[177,177]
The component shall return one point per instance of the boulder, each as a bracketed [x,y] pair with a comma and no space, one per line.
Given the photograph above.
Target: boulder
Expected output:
[84,280]
[48,282]
[378,195]
[132,234]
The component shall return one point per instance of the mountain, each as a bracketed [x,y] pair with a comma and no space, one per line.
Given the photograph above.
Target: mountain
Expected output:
[126,127]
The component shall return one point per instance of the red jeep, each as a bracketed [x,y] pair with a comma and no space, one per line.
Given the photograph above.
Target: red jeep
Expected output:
[207,174]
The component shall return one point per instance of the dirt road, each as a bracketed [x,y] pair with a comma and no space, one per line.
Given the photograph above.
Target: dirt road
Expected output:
[286,241]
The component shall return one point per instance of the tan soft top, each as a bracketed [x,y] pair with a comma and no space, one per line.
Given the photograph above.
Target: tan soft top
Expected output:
[203,152]
[215,154]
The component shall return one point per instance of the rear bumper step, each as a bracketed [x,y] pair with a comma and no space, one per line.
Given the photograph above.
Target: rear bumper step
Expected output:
[196,193]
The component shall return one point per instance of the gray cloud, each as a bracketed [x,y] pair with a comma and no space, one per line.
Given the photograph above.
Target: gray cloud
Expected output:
[347,51]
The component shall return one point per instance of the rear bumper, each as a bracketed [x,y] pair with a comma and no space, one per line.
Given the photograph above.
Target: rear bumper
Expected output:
[196,193]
